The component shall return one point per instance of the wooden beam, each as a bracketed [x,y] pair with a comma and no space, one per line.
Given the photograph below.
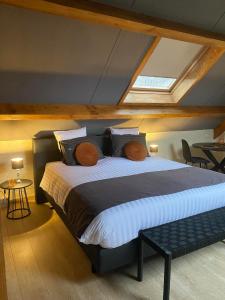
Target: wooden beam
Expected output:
[140,67]
[97,112]
[108,15]
[197,71]
[219,129]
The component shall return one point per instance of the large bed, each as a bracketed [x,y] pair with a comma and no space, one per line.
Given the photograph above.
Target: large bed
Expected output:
[110,237]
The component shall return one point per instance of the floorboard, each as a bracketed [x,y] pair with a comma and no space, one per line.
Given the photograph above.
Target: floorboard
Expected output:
[42,261]
[3,291]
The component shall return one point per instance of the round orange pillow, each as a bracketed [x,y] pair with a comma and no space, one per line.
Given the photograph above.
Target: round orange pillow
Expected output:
[135,151]
[86,154]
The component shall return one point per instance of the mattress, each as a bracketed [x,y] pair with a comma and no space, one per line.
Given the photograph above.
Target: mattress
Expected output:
[120,224]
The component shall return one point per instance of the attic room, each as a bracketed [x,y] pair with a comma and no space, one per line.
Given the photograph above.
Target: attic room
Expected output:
[112,150]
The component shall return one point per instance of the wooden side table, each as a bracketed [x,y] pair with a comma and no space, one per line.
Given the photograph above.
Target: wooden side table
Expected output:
[21,208]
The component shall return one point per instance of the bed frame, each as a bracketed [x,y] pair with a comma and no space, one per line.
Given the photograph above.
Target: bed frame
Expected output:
[103,260]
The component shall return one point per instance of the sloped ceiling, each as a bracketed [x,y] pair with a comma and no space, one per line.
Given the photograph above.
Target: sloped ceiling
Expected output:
[203,14]
[51,59]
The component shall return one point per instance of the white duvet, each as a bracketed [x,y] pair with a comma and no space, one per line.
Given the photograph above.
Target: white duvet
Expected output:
[120,224]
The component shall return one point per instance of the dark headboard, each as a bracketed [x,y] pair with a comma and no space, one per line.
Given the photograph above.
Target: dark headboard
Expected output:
[45,150]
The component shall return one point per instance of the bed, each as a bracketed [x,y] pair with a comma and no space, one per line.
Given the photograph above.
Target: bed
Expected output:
[110,237]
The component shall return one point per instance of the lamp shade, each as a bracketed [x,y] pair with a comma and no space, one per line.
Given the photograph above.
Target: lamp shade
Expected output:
[154,148]
[17,163]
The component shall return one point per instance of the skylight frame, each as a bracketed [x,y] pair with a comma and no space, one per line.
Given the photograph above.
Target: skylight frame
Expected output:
[200,66]
[170,89]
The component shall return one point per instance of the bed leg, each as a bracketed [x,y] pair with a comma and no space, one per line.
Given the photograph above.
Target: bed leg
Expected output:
[50,206]
[140,259]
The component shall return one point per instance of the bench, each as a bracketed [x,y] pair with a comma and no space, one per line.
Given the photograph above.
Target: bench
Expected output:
[181,237]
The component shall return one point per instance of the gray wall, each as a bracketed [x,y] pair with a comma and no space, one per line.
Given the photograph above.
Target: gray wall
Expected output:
[51,59]
[204,14]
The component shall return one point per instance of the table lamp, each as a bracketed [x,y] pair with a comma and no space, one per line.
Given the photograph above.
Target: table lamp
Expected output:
[154,149]
[17,164]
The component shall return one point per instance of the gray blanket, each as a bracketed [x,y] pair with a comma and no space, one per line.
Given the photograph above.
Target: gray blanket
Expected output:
[87,200]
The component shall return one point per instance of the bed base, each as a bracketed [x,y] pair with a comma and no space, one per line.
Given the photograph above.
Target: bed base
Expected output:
[105,260]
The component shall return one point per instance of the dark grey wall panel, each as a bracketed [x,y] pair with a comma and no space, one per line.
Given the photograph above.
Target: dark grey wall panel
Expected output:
[27,87]
[125,58]
[220,26]
[201,13]
[125,4]
[48,59]
[211,89]
[51,59]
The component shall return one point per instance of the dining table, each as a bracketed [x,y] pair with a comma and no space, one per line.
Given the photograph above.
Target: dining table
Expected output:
[209,149]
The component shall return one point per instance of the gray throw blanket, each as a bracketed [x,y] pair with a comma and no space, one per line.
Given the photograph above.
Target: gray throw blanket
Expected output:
[87,200]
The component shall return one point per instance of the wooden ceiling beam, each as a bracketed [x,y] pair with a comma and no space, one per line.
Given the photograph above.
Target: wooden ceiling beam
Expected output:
[197,71]
[140,67]
[98,112]
[219,130]
[107,15]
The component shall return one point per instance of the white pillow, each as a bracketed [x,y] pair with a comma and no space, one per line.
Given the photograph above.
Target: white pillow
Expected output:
[69,134]
[123,131]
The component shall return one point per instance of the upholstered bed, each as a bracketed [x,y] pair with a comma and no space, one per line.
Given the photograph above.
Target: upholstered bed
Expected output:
[103,260]
[156,192]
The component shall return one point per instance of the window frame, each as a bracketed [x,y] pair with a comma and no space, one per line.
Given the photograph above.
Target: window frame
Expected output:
[194,72]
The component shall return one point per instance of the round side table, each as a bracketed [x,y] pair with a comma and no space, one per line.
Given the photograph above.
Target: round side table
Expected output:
[21,208]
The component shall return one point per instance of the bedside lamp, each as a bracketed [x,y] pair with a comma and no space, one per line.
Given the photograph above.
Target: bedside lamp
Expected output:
[17,164]
[154,149]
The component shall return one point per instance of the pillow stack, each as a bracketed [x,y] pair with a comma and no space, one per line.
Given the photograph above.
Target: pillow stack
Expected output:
[64,135]
[79,149]
[129,143]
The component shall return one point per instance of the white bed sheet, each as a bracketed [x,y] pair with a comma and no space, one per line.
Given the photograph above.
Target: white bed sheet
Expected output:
[120,224]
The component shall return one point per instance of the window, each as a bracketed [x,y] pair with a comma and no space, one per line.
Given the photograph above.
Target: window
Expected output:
[173,67]
[148,82]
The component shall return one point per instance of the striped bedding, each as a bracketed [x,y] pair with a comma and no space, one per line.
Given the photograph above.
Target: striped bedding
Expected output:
[118,225]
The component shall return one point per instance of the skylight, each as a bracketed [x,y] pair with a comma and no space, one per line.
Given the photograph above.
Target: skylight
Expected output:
[149,82]
[168,71]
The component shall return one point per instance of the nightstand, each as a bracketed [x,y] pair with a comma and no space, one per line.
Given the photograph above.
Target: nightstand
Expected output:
[17,208]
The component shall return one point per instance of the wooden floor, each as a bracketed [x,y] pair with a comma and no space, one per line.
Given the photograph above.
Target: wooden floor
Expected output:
[42,261]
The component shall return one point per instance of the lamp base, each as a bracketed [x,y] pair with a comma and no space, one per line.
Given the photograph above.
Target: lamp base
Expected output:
[18,180]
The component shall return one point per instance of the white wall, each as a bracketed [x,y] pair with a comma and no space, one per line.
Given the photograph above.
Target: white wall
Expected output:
[170,142]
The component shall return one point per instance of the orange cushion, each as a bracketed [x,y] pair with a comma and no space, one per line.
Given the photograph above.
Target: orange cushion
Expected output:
[86,154]
[135,151]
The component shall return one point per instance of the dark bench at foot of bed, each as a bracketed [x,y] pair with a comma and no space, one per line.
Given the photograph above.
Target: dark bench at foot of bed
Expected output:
[181,237]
